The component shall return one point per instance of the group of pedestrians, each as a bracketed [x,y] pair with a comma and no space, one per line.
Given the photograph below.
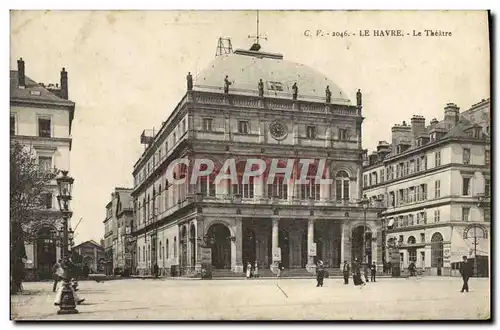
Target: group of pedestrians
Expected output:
[252,271]
[359,278]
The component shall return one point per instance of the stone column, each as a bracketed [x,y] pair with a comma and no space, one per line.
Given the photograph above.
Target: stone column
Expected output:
[275,242]
[328,137]
[227,127]
[359,186]
[200,230]
[345,245]
[295,134]
[237,247]
[311,267]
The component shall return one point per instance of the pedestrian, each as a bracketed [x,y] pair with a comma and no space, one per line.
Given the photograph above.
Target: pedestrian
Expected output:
[280,269]
[156,270]
[86,271]
[466,272]
[356,274]
[346,272]
[249,269]
[373,269]
[411,269]
[320,274]
[389,267]
[66,267]
[256,270]
[57,273]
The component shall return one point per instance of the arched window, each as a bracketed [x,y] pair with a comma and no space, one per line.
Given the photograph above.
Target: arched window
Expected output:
[149,252]
[245,188]
[166,249]
[148,214]
[342,185]
[411,240]
[160,250]
[143,253]
[309,190]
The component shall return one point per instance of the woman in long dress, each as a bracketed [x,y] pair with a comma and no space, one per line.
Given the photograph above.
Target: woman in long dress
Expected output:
[256,270]
[249,270]
[356,274]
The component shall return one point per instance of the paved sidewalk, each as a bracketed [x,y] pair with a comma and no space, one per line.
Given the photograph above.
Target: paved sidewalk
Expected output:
[254,299]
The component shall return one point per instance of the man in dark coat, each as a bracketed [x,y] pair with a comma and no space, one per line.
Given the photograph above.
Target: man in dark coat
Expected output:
[345,272]
[373,270]
[466,272]
[156,270]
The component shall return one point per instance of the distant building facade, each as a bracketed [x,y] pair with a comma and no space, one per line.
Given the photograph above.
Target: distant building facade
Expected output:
[117,229]
[40,118]
[255,112]
[92,255]
[434,181]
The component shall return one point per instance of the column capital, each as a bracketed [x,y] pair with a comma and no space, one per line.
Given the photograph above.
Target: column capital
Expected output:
[276,220]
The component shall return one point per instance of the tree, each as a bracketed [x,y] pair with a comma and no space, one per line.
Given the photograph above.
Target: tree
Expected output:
[28,192]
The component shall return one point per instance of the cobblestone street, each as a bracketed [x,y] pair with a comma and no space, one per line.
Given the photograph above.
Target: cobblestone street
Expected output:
[264,299]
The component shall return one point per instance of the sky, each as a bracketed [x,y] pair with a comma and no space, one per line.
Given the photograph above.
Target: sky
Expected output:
[127,73]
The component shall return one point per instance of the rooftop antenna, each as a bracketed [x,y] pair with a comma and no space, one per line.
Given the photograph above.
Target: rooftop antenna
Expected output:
[256,45]
[224,46]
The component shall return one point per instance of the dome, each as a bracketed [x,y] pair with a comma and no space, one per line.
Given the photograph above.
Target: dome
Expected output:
[245,68]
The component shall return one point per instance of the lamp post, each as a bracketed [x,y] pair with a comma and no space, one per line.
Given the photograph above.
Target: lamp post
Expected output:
[67,304]
[364,202]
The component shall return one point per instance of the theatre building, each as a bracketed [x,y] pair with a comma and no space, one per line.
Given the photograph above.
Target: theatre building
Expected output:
[435,182]
[253,104]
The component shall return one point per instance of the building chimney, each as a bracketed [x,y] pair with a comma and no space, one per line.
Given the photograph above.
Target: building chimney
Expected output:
[417,127]
[434,121]
[451,113]
[21,73]
[64,84]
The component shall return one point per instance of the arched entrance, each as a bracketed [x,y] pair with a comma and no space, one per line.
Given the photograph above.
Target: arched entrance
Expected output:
[357,244]
[249,255]
[192,238]
[45,252]
[437,252]
[221,248]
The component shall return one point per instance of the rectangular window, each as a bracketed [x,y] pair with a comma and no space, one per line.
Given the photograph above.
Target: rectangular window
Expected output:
[437,159]
[174,137]
[45,163]
[466,156]
[465,214]
[382,175]
[401,238]
[487,187]
[422,238]
[12,125]
[412,167]
[184,126]
[412,255]
[410,220]
[398,169]
[437,189]
[487,158]
[44,127]
[424,162]
[417,169]
[207,124]
[311,132]
[342,134]
[423,191]
[423,216]
[365,180]
[436,216]
[465,186]
[243,127]
[48,200]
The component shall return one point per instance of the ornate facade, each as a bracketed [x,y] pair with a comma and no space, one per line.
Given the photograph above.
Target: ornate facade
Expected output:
[435,183]
[243,106]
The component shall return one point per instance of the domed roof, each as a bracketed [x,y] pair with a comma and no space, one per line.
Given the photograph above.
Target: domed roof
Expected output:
[245,68]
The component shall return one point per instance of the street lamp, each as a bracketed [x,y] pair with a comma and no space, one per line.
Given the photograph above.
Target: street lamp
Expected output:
[364,203]
[65,184]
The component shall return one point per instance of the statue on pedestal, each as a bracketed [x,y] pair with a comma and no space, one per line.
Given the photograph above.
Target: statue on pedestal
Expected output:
[328,94]
[189,79]
[227,83]
[261,88]
[359,96]
[295,91]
